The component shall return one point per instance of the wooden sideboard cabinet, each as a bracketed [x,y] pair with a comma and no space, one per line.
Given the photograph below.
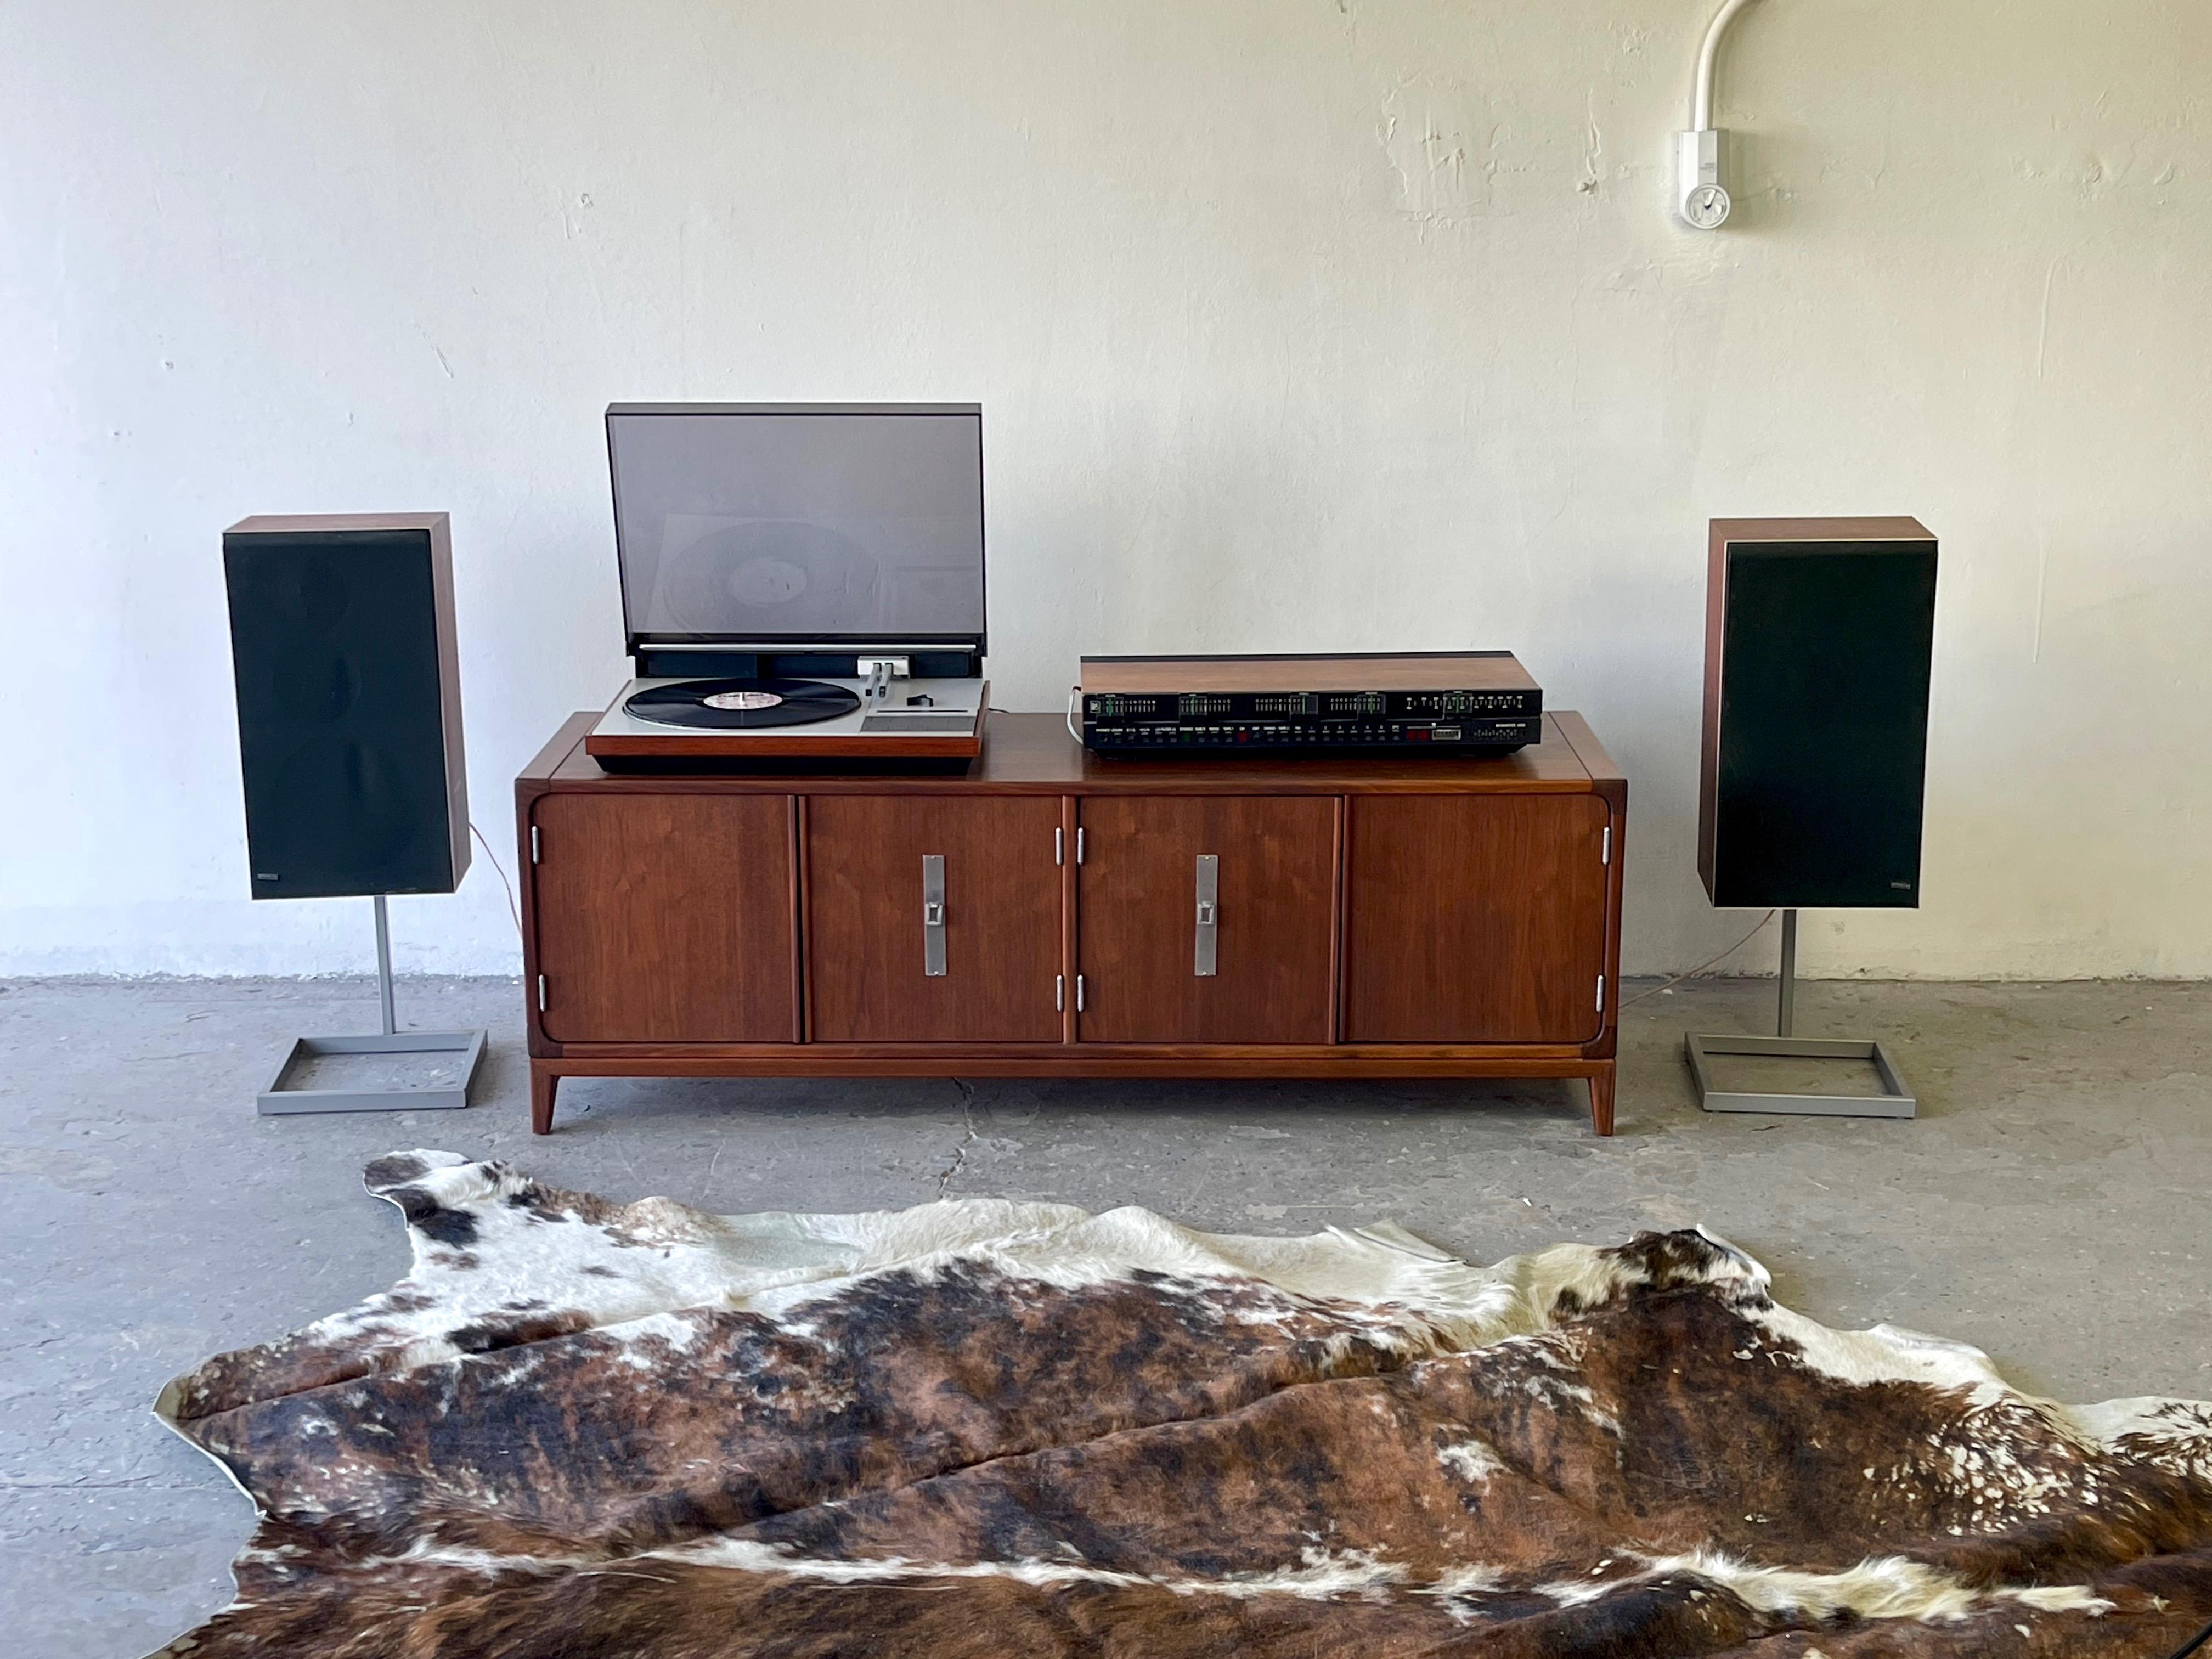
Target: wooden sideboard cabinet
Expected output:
[1050,914]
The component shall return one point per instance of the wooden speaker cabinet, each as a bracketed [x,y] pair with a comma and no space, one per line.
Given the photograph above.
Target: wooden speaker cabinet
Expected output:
[1819,635]
[1052,914]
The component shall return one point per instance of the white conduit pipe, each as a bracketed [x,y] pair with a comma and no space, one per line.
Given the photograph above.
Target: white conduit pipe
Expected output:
[1701,106]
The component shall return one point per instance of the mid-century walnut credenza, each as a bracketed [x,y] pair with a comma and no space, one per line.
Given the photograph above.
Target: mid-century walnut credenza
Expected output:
[1287,918]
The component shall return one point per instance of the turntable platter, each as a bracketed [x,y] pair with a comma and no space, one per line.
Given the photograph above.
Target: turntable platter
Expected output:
[737,705]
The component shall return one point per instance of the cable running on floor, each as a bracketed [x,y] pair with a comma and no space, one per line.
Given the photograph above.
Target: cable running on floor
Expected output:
[1691,973]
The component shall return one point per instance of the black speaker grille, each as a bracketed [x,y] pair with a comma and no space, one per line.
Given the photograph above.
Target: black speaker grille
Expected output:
[334,641]
[1823,728]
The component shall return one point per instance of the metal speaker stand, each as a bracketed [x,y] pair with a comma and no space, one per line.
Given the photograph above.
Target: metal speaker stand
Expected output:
[277,1099]
[1895,1101]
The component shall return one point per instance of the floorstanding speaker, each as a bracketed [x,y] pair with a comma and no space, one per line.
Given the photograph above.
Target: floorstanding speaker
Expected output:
[349,741]
[1819,638]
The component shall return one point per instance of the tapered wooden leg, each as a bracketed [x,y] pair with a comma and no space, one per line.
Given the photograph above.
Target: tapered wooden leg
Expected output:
[543,1080]
[1600,1087]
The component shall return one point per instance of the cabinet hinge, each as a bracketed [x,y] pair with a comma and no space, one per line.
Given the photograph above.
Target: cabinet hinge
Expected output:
[1059,845]
[533,843]
[1601,993]
[1079,978]
[1605,846]
[1059,992]
[541,994]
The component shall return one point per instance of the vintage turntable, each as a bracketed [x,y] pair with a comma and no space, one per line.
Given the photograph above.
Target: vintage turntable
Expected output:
[802,584]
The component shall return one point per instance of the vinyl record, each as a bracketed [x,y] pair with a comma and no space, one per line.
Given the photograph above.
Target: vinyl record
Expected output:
[739,705]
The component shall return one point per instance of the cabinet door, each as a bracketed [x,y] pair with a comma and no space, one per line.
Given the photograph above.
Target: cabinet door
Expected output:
[1138,930]
[1474,918]
[667,918]
[868,938]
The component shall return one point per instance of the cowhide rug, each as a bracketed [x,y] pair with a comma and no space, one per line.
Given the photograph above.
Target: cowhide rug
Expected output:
[578,1429]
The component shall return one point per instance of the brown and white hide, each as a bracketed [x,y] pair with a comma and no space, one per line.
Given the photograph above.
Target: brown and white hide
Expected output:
[986,1428]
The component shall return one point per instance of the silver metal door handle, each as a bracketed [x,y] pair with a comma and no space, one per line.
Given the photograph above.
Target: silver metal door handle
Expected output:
[932,916]
[1205,955]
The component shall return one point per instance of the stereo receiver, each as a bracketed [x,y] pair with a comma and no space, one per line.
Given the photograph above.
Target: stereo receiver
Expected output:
[1423,703]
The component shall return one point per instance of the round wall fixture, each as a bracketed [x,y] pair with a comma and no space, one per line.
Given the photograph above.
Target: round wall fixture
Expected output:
[1707,207]
[1700,155]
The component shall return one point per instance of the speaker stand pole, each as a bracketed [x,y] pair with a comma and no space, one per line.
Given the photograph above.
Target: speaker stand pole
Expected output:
[1895,1101]
[447,1087]
[384,969]
[1786,1009]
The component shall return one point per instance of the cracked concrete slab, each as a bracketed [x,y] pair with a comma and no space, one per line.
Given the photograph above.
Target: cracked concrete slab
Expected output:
[2047,1206]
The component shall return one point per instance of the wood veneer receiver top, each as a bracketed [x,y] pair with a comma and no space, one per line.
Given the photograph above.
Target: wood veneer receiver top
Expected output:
[1414,670]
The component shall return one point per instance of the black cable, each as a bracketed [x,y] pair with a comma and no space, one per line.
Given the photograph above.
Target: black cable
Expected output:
[2193,1644]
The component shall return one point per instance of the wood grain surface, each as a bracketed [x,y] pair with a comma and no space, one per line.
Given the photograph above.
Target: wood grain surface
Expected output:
[665,917]
[1137,918]
[1439,670]
[1466,913]
[864,933]
[1475,919]
[1033,754]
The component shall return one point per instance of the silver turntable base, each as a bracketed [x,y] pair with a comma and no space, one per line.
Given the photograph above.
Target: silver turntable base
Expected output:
[930,723]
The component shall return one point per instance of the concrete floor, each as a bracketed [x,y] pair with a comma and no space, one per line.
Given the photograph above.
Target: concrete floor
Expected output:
[2049,1205]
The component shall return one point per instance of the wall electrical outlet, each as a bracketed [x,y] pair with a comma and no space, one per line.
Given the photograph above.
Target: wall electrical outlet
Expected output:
[1700,197]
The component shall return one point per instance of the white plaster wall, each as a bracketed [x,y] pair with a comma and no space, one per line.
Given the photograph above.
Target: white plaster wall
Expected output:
[1299,324]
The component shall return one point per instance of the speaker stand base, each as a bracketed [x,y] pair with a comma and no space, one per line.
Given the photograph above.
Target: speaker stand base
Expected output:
[1896,1100]
[277,1101]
